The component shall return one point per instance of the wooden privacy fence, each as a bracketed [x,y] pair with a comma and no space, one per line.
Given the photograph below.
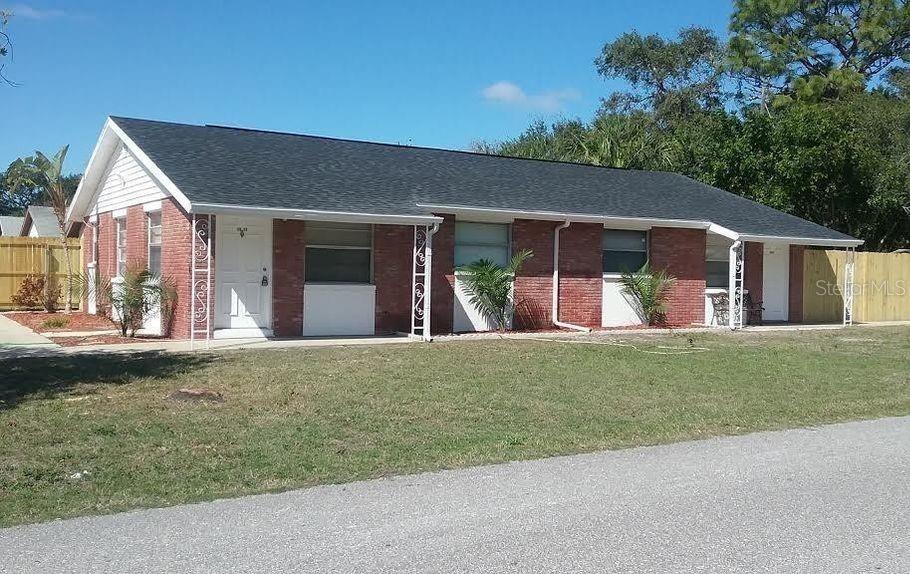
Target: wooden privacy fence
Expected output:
[881,286]
[21,256]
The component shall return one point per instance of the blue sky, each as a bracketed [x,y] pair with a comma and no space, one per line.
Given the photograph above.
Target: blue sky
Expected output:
[439,74]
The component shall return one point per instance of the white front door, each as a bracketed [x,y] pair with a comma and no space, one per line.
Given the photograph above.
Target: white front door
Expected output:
[243,273]
[776,281]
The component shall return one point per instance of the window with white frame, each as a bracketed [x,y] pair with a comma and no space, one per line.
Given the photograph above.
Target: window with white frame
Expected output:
[339,252]
[475,241]
[624,250]
[121,245]
[717,261]
[154,240]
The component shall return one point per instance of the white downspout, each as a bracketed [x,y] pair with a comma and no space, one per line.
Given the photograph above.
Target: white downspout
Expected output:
[556,320]
[428,278]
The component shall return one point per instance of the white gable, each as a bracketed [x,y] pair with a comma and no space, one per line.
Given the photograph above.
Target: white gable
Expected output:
[126,183]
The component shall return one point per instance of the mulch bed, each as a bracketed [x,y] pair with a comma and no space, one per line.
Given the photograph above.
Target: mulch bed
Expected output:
[102,340]
[77,321]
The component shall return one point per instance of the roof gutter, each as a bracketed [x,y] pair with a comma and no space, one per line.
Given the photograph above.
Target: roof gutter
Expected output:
[810,241]
[609,220]
[492,213]
[313,214]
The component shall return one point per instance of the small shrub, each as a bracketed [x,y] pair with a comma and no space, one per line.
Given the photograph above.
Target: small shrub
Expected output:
[34,292]
[134,295]
[55,323]
[650,290]
[490,287]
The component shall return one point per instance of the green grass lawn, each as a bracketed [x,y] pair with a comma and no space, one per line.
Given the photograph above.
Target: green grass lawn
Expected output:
[298,417]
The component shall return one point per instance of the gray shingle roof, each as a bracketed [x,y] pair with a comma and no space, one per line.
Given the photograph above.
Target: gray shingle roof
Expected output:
[233,166]
[10,225]
[43,220]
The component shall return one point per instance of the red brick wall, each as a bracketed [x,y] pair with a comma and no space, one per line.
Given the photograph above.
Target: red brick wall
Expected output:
[393,262]
[796,283]
[288,266]
[534,282]
[681,252]
[443,280]
[754,278]
[581,274]
[107,246]
[136,237]
[176,247]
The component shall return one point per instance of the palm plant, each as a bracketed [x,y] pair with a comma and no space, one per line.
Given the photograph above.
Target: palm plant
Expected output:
[650,289]
[46,174]
[490,287]
[127,300]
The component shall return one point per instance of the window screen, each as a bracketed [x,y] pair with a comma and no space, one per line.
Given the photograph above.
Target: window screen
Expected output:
[474,241]
[338,252]
[121,246]
[154,225]
[624,250]
[717,258]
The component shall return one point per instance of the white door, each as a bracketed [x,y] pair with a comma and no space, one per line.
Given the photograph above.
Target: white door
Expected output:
[775,281]
[243,276]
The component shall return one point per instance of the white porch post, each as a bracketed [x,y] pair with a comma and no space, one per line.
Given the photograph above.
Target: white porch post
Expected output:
[200,279]
[735,284]
[428,282]
[849,264]
[421,284]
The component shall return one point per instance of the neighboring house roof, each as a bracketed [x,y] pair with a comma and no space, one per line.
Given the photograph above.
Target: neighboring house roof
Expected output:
[222,166]
[42,219]
[10,225]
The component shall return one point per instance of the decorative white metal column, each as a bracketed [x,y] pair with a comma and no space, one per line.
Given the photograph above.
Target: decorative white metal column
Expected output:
[422,278]
[200,281]
[849,266]
[736,288]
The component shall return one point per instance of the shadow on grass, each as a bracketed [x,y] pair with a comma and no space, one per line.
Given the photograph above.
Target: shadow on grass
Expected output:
[27,377]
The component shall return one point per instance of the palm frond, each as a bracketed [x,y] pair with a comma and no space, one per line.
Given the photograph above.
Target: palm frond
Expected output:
[490,286]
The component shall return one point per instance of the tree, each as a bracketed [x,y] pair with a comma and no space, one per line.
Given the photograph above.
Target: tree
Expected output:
[672,77]
[22,185]
[490,287]
[41,172]
[632,141]
[814,49]
[843,164]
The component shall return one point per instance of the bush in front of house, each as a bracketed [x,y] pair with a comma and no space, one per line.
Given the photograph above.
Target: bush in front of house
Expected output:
[490,287]
[34,292]
[127,300]
[649,289]
[55,323]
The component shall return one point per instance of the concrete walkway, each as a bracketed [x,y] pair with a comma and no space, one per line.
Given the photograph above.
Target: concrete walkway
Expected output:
[172,346]
[827,499]
[12,334]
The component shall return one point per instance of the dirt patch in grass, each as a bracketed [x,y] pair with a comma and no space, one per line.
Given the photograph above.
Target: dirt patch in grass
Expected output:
[43,322]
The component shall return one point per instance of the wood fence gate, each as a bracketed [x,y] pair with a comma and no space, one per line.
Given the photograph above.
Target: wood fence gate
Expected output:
[881,289]
[22,256]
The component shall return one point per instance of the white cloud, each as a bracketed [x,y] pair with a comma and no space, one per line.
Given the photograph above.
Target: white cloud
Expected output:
[32,13]
[511,94]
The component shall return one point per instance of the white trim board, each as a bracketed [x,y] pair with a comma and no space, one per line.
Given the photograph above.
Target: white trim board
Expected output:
[313,214]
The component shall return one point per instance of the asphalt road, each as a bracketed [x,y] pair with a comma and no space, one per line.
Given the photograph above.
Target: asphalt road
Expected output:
[828,499]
